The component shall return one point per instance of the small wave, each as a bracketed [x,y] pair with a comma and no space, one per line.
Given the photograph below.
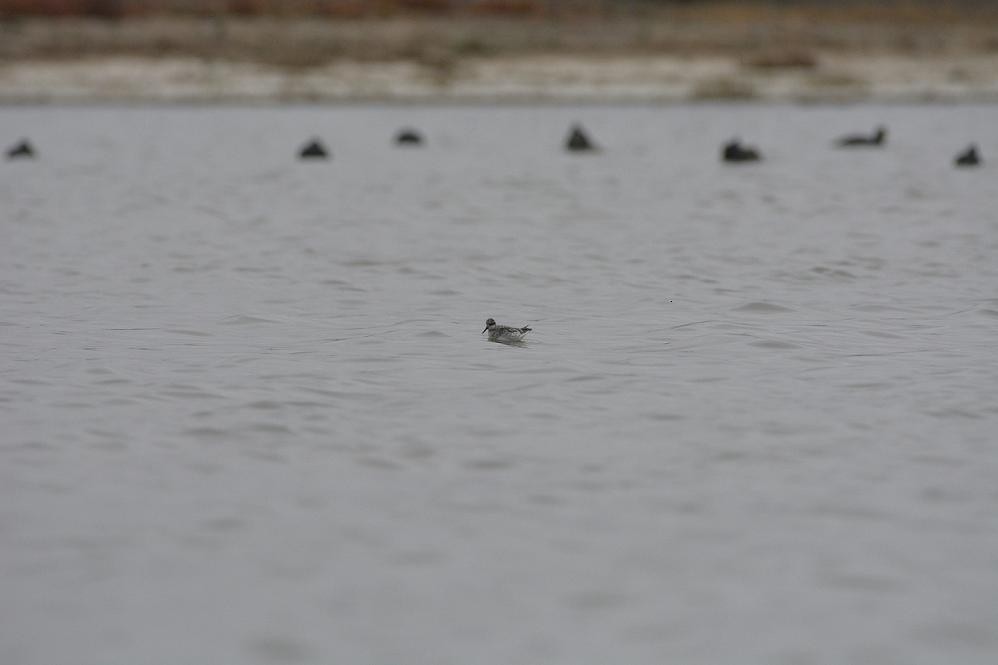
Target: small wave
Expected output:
[877,308]
[836,273]
[378,462]
[243,319]
[489,464]
[664,417]
[362,263]
[774,344]
[115,381]
[188,394]
[264,405]
[870,385]
[186,390]
[269,428]
[948,413]
[880,333]
[192,333]
[762,308]
[206,432]
[584,377]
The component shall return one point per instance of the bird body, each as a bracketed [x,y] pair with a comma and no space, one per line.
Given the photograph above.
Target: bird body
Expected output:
[578,140]
[969,157]
[505,334]
[22,150]
[408,137]
[314,150]
[878,138]
[734,151]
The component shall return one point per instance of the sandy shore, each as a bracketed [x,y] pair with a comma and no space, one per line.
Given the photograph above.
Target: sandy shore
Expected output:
[673,58]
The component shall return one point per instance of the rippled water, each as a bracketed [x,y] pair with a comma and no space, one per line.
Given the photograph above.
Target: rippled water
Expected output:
[248,416]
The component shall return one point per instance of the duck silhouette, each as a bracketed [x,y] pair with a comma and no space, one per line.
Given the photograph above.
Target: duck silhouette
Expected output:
[734,151]
[969,157]
[21,150]
[314,150]
[408,137]
[878,138]
[578,140]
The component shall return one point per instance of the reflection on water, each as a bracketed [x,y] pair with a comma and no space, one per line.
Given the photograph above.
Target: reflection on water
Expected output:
[248,415]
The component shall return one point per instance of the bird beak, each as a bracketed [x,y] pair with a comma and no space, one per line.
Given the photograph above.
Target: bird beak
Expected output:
[483,331]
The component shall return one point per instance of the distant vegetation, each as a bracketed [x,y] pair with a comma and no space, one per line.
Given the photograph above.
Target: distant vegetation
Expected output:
[332,8]
[761,36]
[116,9]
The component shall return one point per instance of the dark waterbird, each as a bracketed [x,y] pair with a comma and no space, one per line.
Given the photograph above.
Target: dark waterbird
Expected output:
[878,138]
[21,150]
[314,150]
[408,137]
[578,141]
[969,157]
[734,151]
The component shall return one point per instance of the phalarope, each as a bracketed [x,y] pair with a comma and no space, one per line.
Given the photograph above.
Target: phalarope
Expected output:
[499,333]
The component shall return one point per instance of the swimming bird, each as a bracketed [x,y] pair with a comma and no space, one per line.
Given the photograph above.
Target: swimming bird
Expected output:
[19,150]
[969,157]
[314,150]
[734,151]
[578,141]
[408,137]
[506,334]
[878,138]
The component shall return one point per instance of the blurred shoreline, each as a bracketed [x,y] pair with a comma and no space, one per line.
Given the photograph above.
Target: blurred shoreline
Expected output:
[807,55]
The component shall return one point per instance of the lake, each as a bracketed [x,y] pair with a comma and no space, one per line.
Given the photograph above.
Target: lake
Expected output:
[248,415]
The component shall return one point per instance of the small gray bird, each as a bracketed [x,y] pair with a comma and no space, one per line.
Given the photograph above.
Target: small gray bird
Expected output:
[500,333]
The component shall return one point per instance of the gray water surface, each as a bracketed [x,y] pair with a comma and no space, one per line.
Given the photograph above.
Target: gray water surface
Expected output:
[248,417]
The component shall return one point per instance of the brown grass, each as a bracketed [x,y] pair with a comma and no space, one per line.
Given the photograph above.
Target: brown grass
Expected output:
[783,58]
[412,30]
[724,89]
